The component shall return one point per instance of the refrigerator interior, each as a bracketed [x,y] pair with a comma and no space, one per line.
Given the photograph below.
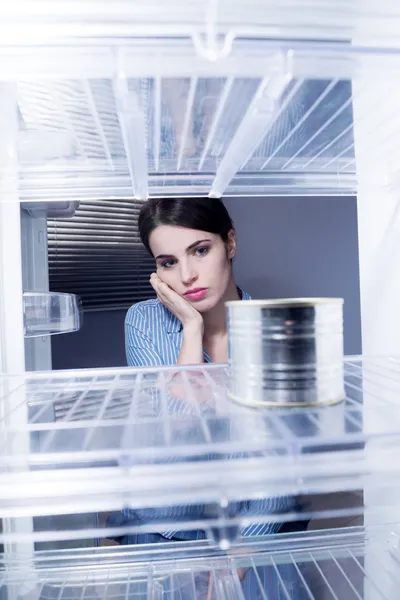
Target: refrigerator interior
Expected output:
[133,99]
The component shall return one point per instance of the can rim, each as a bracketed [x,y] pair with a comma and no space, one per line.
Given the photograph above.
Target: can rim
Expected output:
[279,302]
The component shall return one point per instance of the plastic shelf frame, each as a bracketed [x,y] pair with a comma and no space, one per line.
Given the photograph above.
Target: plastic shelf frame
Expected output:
[114,439]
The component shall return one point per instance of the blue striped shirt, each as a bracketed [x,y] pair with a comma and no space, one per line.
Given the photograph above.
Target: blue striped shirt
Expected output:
[153,337]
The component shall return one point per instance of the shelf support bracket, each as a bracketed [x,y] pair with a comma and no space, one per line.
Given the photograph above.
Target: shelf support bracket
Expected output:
[132,122]
[259,117]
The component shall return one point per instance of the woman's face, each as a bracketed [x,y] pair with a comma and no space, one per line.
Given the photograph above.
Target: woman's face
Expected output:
[195,264]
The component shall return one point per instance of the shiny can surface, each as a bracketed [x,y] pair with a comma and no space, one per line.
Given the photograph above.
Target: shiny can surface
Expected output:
[286,352]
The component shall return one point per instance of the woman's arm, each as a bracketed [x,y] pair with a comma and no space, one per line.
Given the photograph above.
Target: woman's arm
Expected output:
[191,352]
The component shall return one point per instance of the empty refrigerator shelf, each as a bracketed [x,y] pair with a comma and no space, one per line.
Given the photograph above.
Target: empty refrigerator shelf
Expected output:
[96,123]
[51,313]
[345,565]
[198,135]
[211,98]
[107,440]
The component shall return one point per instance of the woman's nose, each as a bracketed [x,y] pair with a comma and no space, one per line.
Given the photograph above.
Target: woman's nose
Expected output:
[188,274]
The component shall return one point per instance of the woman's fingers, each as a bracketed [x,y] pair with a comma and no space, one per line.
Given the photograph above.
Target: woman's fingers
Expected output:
[153,282]
[167,293]
[167,296]
[157,284]
[178,305]
[162,289]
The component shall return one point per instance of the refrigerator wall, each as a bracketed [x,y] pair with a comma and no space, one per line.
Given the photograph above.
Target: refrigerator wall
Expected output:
[35,277]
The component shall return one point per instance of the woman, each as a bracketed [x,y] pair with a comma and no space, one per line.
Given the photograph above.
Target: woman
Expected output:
[193,244]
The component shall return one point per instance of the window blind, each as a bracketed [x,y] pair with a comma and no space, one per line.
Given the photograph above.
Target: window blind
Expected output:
[98,255]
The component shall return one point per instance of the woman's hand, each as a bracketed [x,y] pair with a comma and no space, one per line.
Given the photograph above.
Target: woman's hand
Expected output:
[191,351]
[181,308]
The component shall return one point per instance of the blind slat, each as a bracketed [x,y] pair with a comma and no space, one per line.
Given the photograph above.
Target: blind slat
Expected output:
[98,255]
[104,225]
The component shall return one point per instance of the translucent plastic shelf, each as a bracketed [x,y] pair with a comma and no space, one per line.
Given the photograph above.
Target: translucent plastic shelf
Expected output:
[197,135]
[202,97]
[51,313]
[109,440]
[267,120]
[347,565]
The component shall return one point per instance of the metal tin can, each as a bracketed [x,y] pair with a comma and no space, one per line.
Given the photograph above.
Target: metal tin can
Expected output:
[286,352]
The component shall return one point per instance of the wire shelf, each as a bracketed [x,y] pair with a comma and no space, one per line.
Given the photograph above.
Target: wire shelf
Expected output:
[346,565]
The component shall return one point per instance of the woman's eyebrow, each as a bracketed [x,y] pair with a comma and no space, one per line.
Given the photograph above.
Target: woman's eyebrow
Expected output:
[187,249]
[197,243]
[163,256]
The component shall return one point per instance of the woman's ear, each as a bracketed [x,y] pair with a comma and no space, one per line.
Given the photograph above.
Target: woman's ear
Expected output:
[231,244]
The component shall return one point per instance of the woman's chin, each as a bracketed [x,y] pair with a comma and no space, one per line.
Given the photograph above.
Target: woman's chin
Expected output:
[203,306]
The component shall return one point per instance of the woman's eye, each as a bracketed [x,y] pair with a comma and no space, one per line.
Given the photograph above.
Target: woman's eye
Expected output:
[201,251]
[168,264]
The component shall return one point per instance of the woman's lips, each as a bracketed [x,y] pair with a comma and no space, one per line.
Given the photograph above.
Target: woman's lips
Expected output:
[196,294]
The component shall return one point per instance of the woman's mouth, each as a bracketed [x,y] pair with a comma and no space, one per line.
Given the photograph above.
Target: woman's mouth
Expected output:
[196,294]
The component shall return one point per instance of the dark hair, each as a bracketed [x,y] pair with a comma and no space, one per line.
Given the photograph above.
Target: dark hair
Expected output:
[204,214]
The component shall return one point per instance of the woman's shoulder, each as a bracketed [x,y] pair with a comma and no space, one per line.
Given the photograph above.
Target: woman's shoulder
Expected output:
[148,314]
[147,309]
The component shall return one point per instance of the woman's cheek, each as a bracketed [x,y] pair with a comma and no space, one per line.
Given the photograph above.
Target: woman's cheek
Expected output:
[221,266]
[212,262]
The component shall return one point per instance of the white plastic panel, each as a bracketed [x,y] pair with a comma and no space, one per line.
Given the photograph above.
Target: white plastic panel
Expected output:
[13,412]
[35,276]
[204,20]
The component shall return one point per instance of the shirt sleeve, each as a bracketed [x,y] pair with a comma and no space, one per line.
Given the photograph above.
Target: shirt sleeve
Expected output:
[139,348]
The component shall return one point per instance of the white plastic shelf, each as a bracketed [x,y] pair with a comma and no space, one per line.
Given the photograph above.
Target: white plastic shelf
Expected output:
[51,313]
[268,119]
[202,97]
[185,130]
[350,565]
[109,440]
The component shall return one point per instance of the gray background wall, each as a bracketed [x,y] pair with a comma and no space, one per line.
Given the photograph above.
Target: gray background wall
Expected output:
[287,247]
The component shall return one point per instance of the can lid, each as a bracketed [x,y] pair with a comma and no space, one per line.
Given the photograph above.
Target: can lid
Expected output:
[282,302]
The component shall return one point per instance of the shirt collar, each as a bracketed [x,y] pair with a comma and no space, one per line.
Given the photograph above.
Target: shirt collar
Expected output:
[173,324]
